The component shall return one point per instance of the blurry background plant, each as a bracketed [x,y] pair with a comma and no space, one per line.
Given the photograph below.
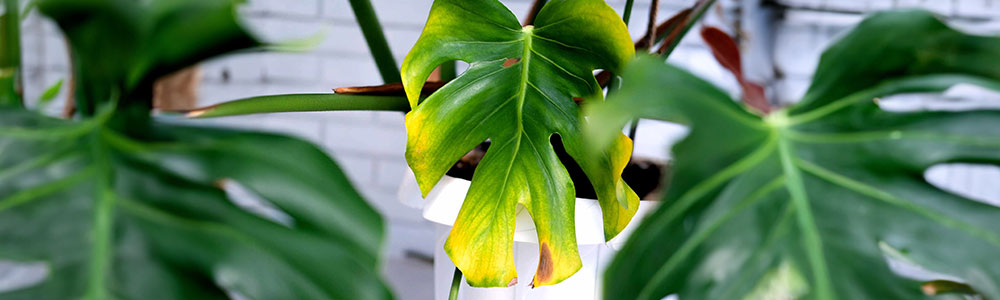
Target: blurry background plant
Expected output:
[112,204]
[811,200]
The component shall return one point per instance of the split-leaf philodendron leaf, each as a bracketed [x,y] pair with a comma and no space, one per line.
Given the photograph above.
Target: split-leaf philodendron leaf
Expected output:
[116,206]
[518,92]
[808,201]
[118,217]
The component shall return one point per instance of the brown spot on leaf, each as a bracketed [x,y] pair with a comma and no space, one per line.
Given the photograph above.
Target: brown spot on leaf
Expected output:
[510,62]
[512,282]
[545,268]
[198,112]
[578,100]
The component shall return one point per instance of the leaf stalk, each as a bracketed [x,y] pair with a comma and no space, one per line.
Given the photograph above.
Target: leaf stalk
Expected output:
[300,103]
[375,37]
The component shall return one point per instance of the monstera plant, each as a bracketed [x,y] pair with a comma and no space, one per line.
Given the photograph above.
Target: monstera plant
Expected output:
[521,93]
[518,92]
[808,201]
[117,205]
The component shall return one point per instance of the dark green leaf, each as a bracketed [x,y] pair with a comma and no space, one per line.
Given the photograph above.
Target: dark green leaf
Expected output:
[119,207]
[149,39]
[518,92]
[809,201]
[119,217]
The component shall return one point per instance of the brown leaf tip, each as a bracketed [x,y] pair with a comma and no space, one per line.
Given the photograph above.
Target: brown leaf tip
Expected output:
[198,112]
[221,183]
[928,289]
[510,62]
[545,268]
[937,287]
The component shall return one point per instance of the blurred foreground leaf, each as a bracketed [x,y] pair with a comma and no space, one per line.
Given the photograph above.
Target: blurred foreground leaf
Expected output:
[144,218]
[119,206]
[808,202]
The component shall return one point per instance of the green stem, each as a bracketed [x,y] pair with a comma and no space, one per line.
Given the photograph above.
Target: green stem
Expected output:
[628,11]
[301,102]
[103,223]
[613,85]
[448,71]
[456,282]
[10,55]
[375,37]
[632,129]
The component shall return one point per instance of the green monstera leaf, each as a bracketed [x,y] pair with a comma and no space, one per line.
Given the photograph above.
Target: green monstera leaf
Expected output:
[518,93]
[118,206]
[119,217]
[808,202]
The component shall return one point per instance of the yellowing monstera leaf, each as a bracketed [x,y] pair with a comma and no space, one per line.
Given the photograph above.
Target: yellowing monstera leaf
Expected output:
[807,202]
[518,93]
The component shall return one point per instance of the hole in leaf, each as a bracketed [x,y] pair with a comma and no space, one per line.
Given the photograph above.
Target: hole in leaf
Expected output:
[252,203]
[584,189]
[20,275]
[902,266]
[974,181]
[956,98]
[510,62]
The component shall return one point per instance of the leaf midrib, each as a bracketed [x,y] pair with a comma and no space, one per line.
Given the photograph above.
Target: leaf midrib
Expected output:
[803,212]
[800,202]
[103,223]
[521,95]
[106,203]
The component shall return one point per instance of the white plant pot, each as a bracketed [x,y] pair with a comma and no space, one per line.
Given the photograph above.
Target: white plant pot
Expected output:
[442,205]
